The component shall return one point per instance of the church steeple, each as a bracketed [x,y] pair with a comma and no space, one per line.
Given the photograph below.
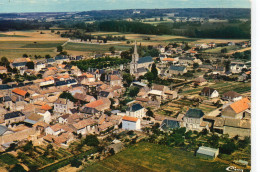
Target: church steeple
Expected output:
[135,59]
[135,49]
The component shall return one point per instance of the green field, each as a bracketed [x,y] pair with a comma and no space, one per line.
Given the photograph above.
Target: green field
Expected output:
[218,49]
[15,49]
[4,35]
[94,47]
[152,157]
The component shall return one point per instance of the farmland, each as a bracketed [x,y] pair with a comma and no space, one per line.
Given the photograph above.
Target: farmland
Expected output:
[37,42]
[15,44]
[145,157]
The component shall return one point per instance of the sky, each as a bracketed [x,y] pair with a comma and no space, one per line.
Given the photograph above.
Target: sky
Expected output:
[7,6]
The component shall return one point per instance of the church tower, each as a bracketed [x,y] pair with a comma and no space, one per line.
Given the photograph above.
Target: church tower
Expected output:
[134,62]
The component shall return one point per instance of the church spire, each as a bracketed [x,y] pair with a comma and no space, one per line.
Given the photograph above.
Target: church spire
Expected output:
[135,49]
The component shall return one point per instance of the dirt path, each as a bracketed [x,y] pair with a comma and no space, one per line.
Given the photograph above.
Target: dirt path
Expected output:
[241,50]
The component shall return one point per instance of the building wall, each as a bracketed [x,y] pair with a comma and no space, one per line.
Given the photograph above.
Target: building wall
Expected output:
[233,131]
[128,125]
[228,112]
[137,114]
[192,123]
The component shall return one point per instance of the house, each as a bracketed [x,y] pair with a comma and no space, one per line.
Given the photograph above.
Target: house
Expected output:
[48,81]
[209,92]
[136,110]
[218,70]
[231,96]
[33,119]
[13,117]
[105,94]
[54,129]
[115,80]
[236,110]
[168,124]
[192,119]
[131,123]
[63,105]
[21,94]
[97,106]
[177,70]
[169,60]
[61,58]
[207,153]
[237,67]
[63,119]
[240,127]
[186,61]
[200,81]
[5,130]
[87,126]
[39,66]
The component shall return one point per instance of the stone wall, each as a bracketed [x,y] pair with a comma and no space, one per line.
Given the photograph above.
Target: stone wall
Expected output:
[233,131]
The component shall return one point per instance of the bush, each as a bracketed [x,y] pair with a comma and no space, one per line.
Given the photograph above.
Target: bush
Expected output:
[75,163]
[91,140]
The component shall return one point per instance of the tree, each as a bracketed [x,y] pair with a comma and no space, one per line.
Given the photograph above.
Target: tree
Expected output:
[228,147]
[126,55]
[25,55]
[112,50]
[18,168]
[4,61]
[47,56]
[149,112]
[28,146]
[133,91]
[149,76]
[103,77]
[67,95]
[127,79]
[195,65]
[227,65]
[30,65]
[75,163]
[154,71]
[91,140]
[224,50]
[59,48]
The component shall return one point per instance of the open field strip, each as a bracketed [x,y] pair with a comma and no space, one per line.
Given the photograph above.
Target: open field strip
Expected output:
[145,157]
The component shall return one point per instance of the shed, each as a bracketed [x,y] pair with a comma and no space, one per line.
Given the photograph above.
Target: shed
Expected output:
[207,152]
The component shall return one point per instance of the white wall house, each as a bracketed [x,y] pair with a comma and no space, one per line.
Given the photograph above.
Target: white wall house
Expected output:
[136,111]
[54,130]
[46,117]
[131,123]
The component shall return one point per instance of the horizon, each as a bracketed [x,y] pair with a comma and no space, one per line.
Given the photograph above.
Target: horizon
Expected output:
[26,6]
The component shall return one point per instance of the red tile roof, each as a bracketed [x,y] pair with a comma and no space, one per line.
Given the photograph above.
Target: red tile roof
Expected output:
[46,107]
[19,91]
[95,103]
[240,105]
[128,118]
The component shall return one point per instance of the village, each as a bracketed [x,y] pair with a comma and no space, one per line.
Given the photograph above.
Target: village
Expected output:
[59,107]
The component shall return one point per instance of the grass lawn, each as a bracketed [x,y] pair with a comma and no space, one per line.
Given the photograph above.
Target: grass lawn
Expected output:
[218,49]
[152,157]
[94,47]
[8,159]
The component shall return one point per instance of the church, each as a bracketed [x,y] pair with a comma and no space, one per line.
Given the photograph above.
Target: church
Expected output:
[139,66]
